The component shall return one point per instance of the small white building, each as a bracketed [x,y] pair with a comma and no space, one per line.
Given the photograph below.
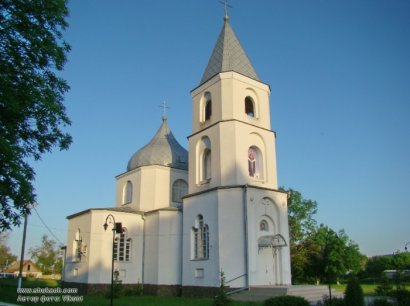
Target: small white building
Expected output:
[183,225]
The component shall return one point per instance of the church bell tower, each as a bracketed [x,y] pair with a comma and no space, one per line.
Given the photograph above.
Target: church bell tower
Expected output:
[235,219]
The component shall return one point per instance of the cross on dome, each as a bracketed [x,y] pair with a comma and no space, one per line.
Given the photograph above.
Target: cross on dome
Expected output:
[164,110]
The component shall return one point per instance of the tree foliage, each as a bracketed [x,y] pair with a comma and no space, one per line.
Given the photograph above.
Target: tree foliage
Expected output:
[326,255]
[6,257]
[48,256]
[32,50]
[332,255]
[300,216]
[317,253]
[377,264]
[301,224]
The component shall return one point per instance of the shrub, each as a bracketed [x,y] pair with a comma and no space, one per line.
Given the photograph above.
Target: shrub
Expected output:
[403,297]
[381,302]
[287,300]
[117,290]
[335,302]
[222,298]
[354,293]
[134,290]
[385,287]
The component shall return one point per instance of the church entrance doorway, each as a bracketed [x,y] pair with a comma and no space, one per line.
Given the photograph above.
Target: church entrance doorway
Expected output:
[266,266]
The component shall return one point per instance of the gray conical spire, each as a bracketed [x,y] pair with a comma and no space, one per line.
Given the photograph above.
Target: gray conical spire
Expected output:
[228,55]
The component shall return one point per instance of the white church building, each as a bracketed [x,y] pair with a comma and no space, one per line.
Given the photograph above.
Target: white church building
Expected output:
[188,215]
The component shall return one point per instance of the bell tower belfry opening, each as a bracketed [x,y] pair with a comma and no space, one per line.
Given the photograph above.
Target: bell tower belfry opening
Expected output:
[232,177]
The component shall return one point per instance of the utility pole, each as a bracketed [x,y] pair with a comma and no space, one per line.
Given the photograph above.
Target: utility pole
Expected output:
[23,245]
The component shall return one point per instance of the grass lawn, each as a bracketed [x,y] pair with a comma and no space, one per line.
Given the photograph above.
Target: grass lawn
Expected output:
[8,293]
[367,289]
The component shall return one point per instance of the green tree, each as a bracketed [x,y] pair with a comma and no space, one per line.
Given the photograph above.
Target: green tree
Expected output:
[48,256]
[326,260]
[301,224]
[354,260]
[332,255]
[377,264]
[326,256]
[6,257]
[32,51]
[401,261]
[222,298]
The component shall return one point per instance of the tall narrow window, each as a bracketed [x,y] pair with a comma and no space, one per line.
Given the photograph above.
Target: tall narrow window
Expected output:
[255,162]
[127,193]
[77,245]
[249,107]
[115,248]
[179,189]
[122,247]
[208,106]
[204,160]
[200,233]
[128,249]
[206,164]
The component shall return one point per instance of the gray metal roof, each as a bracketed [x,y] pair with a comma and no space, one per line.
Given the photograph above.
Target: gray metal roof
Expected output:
[125,209]
[163,149]
[228,55]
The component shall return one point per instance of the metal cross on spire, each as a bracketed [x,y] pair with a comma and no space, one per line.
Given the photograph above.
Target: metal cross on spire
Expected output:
[226,5]
[164,110]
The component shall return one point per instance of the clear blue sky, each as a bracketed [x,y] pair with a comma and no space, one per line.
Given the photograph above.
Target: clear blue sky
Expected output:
[339,71]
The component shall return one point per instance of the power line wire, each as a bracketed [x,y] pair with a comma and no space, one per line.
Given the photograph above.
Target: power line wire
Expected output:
[45,225]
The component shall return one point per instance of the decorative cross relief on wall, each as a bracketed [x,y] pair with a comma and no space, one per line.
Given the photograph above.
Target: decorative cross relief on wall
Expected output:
[266,202]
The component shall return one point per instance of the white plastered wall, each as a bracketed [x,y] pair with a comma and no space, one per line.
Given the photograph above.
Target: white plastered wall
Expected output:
[267,267]
[228,91]
[95,268]
[206,205]
[152,186]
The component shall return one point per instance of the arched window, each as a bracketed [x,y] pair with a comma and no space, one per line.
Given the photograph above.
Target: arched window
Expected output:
[179,189]
[206,168]
[264,226]
[122,247]
[200,237]
[255,162]
[204,160]
[77,246]
[127,193]
[249,107]
[208,106]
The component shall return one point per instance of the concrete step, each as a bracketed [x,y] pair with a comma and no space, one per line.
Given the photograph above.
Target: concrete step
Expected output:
[313,294]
